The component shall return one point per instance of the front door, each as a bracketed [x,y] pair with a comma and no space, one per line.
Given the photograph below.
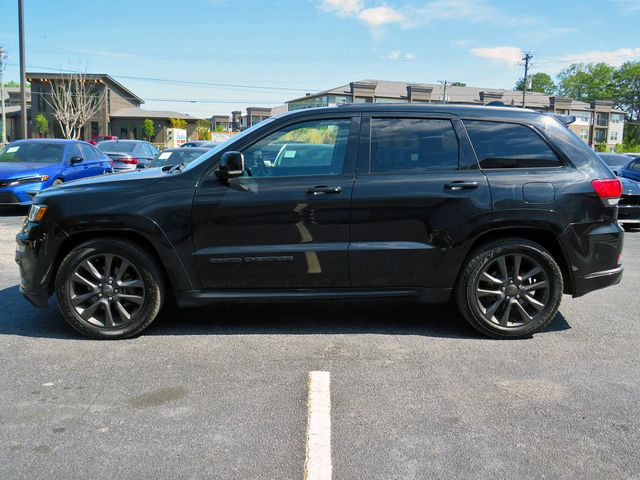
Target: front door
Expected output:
[285,223]
[418,196]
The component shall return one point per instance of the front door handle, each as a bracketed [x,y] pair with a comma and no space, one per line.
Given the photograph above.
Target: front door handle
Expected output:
[323,190]
[461,185]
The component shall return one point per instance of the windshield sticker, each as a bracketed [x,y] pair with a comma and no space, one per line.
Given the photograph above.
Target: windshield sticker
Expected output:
[164,155]
[290,154]
[12,149]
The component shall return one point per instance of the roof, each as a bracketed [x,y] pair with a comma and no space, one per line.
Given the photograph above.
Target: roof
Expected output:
[134,112]
[48,140]
[90,76]
[466,95]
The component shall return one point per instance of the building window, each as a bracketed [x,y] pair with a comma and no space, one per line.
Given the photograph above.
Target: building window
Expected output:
[584,133]
[617,118]
[613,136]
[601,136]
[42,102]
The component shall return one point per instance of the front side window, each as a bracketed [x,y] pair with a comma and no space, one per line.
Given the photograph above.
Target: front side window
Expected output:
[73,151]
[412,144]
[506,145]
[309,148]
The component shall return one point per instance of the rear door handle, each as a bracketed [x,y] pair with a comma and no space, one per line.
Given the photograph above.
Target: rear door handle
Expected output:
[323,190]
[461,185]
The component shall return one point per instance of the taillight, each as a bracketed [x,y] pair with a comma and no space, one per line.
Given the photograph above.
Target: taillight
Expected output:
[128,161]
[609,190]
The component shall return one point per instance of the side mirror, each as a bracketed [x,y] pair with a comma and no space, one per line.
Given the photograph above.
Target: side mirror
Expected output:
[231,165]
[74,160]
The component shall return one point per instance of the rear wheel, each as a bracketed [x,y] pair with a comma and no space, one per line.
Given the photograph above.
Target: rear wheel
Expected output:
[509,288]
[109,289]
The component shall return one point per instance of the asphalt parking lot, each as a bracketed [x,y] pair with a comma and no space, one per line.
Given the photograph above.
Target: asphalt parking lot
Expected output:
[221,392]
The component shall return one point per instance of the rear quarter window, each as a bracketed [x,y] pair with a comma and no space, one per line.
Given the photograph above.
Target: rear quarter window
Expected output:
[507,145]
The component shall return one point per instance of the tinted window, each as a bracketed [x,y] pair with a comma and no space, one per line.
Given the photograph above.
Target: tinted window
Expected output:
[308,148]
[117,146]
[33,152]
[410,144]
[88,153]
[504,145]
[635,166]
[73,151]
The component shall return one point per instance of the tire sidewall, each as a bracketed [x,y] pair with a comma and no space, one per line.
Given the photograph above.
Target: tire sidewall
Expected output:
[150,276]
[485,256]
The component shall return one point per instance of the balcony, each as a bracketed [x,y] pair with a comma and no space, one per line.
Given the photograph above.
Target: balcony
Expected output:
[602,122]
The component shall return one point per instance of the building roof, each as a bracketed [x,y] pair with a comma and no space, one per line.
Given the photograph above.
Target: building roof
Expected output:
[467,95]
[89,76]
[134,112]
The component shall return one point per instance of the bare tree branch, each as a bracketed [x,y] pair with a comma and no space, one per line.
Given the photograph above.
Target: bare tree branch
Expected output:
[74,101]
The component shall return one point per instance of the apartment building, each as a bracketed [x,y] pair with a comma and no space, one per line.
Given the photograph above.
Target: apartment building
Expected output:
[596,122]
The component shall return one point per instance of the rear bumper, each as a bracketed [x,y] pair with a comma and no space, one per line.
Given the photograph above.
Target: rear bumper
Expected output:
[597,280]
[629,213]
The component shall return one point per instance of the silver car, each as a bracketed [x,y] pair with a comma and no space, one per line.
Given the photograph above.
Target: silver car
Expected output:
[128,155]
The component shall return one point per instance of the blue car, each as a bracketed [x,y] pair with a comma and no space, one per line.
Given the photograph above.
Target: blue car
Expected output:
[631,170]
[28,166]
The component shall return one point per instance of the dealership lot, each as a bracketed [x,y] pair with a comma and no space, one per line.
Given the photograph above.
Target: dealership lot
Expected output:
[221,392]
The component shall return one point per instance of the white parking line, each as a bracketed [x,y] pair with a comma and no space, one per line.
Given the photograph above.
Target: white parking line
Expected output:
[318,462]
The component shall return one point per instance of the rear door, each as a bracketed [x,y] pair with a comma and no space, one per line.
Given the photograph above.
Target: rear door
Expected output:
[418,198]
[285,224]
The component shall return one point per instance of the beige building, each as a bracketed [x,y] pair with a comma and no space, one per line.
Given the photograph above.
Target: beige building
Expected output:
[596,122]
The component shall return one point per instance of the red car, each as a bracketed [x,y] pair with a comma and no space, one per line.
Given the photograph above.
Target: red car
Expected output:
[101,138]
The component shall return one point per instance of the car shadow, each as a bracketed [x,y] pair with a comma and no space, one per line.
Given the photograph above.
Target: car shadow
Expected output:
[18,317]
[11,211]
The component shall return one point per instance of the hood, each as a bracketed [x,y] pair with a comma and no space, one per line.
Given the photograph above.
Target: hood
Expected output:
[144,175]
[630,187]
[11,170]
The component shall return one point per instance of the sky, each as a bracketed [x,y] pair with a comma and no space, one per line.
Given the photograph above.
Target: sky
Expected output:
[206,57]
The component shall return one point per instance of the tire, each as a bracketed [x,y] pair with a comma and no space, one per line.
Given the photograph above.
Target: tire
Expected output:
[484,292]
[114,304]
[57,181]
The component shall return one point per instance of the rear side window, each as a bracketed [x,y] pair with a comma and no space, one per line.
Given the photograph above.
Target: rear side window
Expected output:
[505,145]
[88,153]
[635,166]
[412,144]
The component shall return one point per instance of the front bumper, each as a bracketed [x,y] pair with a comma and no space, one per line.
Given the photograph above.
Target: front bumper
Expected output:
[35,261]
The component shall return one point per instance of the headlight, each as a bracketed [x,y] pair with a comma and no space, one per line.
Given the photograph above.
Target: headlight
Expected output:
[37,212]
[22,181]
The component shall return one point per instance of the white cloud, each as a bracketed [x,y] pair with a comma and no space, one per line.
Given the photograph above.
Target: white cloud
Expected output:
[409,56]
[502,54]
[627,6]
[344,8]
[395,55]
[614,57]
[381,15]
[398,55]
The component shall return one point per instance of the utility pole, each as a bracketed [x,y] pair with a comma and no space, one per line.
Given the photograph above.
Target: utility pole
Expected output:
[444,84]
[23,93]
[3,135]
[527,57]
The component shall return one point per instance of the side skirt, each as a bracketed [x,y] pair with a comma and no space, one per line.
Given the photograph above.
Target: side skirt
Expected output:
[203,297]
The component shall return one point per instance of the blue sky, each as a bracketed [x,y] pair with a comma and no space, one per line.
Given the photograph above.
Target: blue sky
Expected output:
[238,53]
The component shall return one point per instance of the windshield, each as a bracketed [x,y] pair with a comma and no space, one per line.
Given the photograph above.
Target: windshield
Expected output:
[615,161]
[33,152]
[117,147]
[223,145]
[173,157]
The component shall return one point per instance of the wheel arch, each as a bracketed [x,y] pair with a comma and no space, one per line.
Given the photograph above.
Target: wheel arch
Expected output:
[545,237]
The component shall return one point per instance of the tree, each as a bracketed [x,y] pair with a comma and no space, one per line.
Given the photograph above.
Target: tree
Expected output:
[74,101]
[626,96]
[148,129]
[42,124]
[540,82]
[11,84]
[203,127]
[458,84]
[587,81]
[178,122]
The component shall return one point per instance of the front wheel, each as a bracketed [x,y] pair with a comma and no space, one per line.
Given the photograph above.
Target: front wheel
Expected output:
[509,288]
[109,289]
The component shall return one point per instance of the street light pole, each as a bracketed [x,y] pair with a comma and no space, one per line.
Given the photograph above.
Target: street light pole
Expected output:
[23,93]
[3,135]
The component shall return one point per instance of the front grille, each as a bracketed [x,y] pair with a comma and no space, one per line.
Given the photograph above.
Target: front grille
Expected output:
[8,197]
[629,200]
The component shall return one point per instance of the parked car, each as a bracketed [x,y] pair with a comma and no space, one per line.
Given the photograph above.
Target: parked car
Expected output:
[631,170]
[632,154]
[615,161]
[200,144]
[129,154]
[28,166]
[101,138]
[176,156]
[502,209]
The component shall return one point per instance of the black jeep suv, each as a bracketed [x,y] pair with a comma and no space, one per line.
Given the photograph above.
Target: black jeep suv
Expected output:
[502,209]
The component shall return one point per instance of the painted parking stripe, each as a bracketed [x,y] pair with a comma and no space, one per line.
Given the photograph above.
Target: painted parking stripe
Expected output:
[318,461]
